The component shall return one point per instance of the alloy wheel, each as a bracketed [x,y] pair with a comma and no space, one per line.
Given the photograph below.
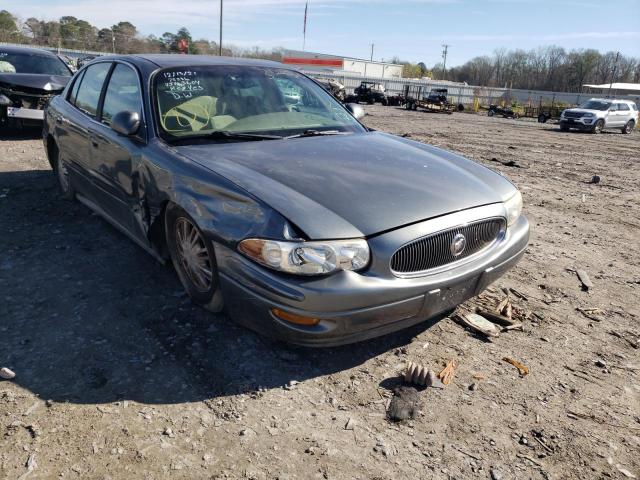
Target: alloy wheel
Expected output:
[598,126]
[628,127]
[193,255]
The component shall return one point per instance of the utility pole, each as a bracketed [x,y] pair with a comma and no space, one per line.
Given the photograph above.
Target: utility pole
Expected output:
[372,45]
[613,74]
[220,42]
[113,41]
[444,57]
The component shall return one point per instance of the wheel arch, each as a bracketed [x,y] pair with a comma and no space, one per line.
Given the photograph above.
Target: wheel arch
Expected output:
[52,147]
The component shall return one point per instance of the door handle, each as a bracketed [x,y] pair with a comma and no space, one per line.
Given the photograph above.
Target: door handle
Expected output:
[94,142]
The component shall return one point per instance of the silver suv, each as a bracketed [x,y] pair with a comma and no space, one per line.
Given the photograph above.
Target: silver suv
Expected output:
[598,113]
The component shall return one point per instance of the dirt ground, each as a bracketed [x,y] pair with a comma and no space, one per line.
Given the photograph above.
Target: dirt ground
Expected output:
[119,376]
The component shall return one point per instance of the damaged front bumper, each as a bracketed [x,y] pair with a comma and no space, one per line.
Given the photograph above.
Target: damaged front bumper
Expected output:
[353,306]
[22,107]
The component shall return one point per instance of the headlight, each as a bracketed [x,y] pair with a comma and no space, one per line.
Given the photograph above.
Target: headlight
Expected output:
[588,115]
[308,258]
[513,206]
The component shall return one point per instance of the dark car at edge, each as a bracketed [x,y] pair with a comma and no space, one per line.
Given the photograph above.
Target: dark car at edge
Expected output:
[273,201]
[29,79]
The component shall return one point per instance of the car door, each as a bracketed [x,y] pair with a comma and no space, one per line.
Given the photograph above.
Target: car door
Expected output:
[69,128]
[613,118]
[73,124]
[112,156]
[624,112]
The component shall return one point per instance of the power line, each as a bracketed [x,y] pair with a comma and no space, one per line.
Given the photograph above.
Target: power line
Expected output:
[613,74]
[444,57]
[220,42]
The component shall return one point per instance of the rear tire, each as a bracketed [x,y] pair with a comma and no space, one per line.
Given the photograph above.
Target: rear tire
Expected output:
[61,172]
[542,118]
[597,128]
[628,128]
[193,259]
[490,113]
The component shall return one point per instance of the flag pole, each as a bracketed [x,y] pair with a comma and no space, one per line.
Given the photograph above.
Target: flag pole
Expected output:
[304,28]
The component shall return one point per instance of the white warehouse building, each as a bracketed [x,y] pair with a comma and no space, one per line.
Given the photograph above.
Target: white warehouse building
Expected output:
[339,64]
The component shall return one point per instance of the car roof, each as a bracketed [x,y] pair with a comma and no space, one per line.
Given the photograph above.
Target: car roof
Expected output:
[27,51]
[611,100]
[176,60]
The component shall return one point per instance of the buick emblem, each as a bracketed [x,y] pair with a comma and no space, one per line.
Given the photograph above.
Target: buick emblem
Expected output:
[458,245]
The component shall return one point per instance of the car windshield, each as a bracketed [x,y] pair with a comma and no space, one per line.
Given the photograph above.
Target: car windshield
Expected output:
[596,105]
[198,101]
[11,62]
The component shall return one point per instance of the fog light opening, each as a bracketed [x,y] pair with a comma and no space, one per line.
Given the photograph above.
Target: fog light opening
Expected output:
[295,318]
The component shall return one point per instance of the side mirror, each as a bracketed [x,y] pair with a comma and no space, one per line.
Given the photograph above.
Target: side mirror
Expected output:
[356,110]
[126,123]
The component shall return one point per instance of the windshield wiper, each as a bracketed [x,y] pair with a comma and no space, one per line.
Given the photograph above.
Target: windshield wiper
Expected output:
[225,135]
[316,133]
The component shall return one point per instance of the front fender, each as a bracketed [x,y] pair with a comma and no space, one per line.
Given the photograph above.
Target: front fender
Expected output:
[224,212]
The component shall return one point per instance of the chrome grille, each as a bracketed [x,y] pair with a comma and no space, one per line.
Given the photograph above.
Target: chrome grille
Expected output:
[434,250]
[573,114]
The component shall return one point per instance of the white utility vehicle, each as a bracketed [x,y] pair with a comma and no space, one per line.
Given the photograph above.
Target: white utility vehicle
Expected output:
[598,113]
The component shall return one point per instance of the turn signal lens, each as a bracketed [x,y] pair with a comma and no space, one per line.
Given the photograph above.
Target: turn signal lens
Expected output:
[294,318]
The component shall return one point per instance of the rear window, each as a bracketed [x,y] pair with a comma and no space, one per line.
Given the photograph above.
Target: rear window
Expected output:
[11,62]
[74,89]
[623,106]
[88,94]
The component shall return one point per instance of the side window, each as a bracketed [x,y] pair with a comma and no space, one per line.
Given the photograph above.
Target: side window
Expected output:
[623,106]
[613,107]
[74,90]
[123,93]
[88,95]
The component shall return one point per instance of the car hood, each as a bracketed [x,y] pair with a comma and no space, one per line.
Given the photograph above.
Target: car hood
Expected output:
[585,110]
[47,83]
[354,185]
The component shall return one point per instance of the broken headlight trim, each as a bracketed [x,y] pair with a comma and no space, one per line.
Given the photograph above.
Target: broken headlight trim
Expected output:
[513,208]
[308,258]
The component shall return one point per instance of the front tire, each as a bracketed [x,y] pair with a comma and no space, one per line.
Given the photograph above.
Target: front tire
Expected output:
[61,172]
[597,128]
[628,128]
[194,259]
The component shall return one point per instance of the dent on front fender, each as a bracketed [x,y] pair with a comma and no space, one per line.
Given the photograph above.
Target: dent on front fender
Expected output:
[225,215]
[224,212]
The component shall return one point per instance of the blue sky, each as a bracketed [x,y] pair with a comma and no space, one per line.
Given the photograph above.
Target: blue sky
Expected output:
[413,30]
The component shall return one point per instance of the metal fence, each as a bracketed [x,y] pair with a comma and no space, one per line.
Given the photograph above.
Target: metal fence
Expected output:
[70,52]
[468,95]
